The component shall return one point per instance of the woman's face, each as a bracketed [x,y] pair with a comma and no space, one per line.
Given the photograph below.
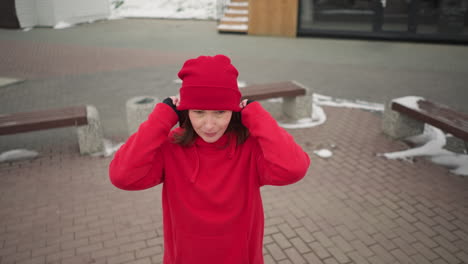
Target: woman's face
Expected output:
[210,125]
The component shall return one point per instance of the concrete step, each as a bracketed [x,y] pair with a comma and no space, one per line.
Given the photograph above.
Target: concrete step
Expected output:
[235,20]
[238,6]
[225,28]
[236,12]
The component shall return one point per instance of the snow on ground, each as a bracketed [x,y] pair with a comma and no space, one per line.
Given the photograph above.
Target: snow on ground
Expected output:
[24,154]
[17,154]
[109,149]
[430,145]
[62,25]
[323,153]
[329,101]
[175,9]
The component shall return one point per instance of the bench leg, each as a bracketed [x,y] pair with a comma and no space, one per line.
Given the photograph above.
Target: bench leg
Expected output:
[289,108]
[399,126]
[90,136]
[299,107]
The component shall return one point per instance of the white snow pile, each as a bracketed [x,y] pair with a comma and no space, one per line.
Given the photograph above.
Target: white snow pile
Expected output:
[318,115]
[17,154]
[174,9]
[24,154]
[62,25]
[329,101]
[323,153]
[109,149]
[409,101]
[430,144]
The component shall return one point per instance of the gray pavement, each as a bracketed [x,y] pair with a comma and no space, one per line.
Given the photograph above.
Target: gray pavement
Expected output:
[355,207]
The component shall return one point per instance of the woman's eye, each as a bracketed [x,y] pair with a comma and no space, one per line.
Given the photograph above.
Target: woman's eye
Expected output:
[198,112]
[220,112]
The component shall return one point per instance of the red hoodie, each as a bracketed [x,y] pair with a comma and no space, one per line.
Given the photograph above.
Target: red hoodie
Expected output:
[212,209]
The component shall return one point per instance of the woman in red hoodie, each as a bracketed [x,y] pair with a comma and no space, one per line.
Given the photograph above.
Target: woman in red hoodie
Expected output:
[212,166]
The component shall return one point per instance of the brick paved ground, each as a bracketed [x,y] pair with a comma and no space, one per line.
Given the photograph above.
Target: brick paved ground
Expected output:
[354,207]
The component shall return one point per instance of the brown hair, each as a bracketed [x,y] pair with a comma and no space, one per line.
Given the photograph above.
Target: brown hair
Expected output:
[188,134]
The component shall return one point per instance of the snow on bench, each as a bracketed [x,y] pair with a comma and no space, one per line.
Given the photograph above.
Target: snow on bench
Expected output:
[409,114]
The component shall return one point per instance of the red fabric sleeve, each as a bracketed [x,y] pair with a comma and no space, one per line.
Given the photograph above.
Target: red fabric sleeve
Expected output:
[138,164]
[281,160]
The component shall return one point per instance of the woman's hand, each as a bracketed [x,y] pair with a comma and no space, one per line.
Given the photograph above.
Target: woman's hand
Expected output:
[173,102]
[245,102]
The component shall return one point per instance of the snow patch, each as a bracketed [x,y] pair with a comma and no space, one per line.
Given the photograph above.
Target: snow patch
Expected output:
[177,9]
[329,101]
[62,25]
[409,101]
[431,146]
[17,154]
[318,117]
[323,153]
[109,149]
[318,114]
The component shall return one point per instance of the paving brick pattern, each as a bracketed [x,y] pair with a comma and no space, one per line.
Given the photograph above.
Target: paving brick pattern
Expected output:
[354,207]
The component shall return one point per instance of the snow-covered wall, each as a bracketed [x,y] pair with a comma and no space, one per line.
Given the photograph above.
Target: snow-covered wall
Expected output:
[52,12]
[71,11]
[26,13]
[45,12]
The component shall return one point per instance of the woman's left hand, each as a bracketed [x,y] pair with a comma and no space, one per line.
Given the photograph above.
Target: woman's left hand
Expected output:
[244,103]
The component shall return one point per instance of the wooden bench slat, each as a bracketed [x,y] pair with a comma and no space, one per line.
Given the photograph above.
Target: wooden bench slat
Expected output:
[42,119]
[272,90]
[437,115]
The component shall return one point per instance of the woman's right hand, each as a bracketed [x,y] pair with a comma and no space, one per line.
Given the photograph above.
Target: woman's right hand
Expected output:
[173,102]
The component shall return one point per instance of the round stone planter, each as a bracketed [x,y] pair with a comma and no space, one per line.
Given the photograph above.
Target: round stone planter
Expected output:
[138,109]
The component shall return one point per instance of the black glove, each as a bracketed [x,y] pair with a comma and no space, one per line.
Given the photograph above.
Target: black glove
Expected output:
[249,101]
[169,102]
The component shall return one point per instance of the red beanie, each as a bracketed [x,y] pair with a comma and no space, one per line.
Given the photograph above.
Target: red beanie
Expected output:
[209,83]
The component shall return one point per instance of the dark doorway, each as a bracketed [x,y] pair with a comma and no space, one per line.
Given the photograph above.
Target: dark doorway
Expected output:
[8,18]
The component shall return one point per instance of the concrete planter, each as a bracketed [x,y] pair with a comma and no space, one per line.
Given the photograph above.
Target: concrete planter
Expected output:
[138,109]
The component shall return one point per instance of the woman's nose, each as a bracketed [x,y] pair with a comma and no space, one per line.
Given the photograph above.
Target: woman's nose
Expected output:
[209,122]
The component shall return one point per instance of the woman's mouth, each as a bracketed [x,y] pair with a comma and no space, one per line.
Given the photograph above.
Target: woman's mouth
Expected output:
[210,134]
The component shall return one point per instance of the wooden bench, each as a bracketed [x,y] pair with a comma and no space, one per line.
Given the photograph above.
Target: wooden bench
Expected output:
[408,120]
[289,91]
[84,118]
